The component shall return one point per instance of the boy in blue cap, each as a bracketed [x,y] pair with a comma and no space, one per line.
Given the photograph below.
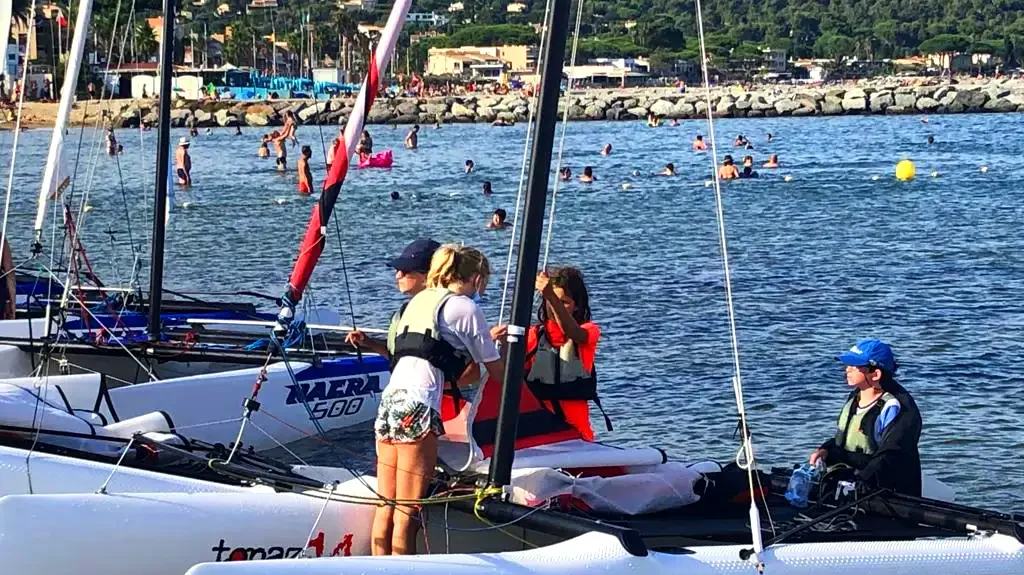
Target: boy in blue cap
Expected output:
[411,278]
[879,426]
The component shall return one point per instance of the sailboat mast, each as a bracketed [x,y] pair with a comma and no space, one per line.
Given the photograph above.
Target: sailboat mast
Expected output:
[553,51]
[163,160]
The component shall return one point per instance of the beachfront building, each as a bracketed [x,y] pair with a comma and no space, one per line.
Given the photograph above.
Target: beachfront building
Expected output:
[481,62]
[426,18]
[774,60]
[620,72]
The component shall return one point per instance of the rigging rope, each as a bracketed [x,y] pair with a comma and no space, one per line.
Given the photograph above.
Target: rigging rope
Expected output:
[17,130]
[747,448]
[522,175]
[561,141]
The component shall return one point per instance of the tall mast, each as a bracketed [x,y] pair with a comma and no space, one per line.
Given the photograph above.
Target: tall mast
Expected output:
[163,160]
[557,24]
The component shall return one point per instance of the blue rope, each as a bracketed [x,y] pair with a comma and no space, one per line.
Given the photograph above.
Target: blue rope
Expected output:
[296,337]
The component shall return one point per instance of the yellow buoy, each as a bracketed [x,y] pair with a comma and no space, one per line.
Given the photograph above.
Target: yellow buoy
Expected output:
[905,171]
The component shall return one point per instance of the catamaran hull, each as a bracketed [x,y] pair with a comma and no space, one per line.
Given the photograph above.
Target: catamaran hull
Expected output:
[599,553]
[166,533]
[337,394]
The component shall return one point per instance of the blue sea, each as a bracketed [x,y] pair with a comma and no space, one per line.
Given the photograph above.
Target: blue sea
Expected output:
[839,252]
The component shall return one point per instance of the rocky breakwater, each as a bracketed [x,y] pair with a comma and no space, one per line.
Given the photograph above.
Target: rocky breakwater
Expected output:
[599,105]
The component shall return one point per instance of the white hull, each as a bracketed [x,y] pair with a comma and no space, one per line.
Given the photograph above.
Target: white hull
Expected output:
[208,407]
[599,553]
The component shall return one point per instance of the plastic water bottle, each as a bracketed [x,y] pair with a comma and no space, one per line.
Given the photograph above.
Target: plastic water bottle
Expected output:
[800,485]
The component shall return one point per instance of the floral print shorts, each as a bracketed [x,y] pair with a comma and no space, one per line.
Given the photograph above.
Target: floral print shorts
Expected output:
[403,419]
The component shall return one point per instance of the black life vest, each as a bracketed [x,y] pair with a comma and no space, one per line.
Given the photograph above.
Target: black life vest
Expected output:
[559,374]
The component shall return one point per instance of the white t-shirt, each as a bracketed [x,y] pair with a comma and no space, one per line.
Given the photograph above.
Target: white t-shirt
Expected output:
[463,325]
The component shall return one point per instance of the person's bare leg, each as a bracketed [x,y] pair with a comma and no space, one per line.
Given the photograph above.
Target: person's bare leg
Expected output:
[383,518]
[415,470]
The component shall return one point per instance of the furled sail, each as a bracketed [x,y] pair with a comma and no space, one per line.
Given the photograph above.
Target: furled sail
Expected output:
[316,232]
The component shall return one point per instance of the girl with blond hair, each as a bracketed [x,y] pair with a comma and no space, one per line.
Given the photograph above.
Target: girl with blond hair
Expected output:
[441,332]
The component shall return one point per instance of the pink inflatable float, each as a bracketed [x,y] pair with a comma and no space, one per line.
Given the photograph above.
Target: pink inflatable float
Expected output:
[379,160]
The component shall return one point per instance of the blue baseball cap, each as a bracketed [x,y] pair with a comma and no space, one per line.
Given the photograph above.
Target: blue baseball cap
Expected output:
[870,352]
[416,256]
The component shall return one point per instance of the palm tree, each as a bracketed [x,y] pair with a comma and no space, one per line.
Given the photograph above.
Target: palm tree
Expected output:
[145,41]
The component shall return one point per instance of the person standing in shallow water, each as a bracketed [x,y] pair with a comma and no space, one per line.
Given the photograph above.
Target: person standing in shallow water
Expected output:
[305,174]
[183,162]
[412,139]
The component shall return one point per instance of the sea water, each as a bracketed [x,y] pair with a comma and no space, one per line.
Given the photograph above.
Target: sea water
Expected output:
[839,252]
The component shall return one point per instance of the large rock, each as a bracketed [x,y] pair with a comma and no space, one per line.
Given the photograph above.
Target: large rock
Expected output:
[947,99]
[311,113]
[629,103]
[225,118]
[595,112]
[905,100]
[460,110]
[487,102]
[972,100]
[614,113]
[759,103]
[725,107]
[683,109]
[895,110]
[486,114]
[408,108]
[662,108]
[152,118]
[926,104]
[637,111]
[407,119]
[941,93]
[435,108]
[854,104]
[854,93]
[881,100]
[180,117]
[744,104]
[925,91]
[256,119]
[832,106]
[1000,105]
[803,111]
[785,106]
[380,115]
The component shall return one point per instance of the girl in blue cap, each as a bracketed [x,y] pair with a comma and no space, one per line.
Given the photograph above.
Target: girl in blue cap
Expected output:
[879,426]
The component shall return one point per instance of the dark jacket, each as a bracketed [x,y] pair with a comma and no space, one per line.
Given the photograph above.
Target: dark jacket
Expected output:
[896,462]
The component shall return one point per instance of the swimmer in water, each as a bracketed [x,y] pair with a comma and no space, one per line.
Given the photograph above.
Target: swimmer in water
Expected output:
[395,196]
[412,139]
[772,163]
[208,131]
[437,125]
[588,175]
[565,174]
[606,150]
[238,130]
[653,121]
[741,141]
[770,137]
[469,166]
[748,168]
[931,140]
[670,170]
[111,142]
[338,143]
[699,144]
[498,220]
[674,123]
[487,189]
[183,162]
[365,146]
[728,171]
[305,174]
[263,151]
